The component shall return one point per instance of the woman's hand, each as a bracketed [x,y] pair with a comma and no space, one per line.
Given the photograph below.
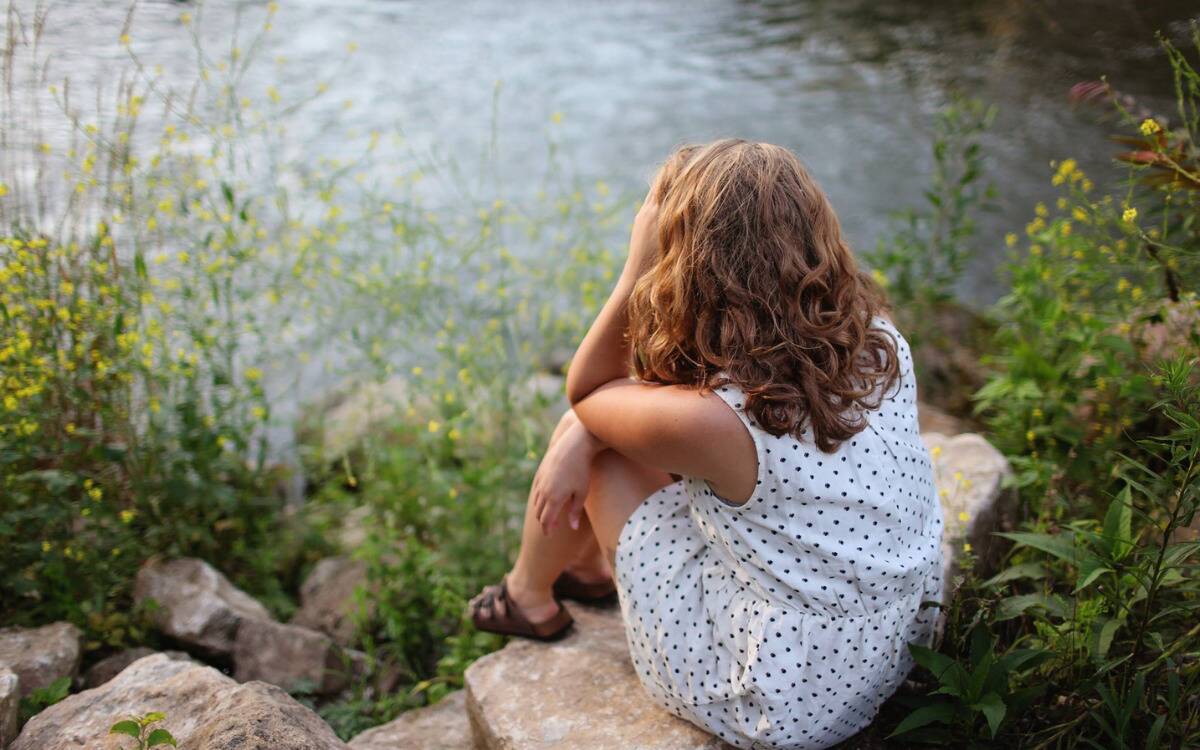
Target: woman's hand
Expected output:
[561,481]
[643,242]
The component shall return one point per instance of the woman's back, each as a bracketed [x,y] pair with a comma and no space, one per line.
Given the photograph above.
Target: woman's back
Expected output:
[864,520]
[785,619]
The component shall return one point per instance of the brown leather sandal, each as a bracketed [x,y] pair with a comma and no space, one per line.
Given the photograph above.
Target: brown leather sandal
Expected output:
[567,586]
[513,621]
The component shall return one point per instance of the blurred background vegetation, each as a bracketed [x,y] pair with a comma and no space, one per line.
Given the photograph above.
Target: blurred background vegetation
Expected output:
[215,346]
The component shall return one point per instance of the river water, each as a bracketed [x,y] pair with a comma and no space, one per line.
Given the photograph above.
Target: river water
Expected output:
[850,85]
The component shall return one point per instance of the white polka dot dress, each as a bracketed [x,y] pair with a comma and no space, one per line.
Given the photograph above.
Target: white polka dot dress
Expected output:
[784,622]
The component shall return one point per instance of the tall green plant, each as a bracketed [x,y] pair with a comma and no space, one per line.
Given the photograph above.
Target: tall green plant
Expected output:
[922,260]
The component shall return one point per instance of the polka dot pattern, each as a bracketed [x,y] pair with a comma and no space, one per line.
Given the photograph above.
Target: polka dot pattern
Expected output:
[784,622]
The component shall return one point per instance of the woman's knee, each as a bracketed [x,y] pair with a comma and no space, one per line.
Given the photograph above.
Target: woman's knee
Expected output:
[618,486]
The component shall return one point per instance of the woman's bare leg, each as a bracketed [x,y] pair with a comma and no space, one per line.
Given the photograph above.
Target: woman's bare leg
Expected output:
[541,559]
[618,486]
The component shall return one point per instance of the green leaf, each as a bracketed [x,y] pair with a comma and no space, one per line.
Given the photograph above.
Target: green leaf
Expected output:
[1032,570]
[1089,570]
[152,717]
[1020,657]
[993,709]
[1103,632]
[1015,606]
[127,726]
[1118,534]
[1061,546]
[160,737]
[941,712]
[935,662]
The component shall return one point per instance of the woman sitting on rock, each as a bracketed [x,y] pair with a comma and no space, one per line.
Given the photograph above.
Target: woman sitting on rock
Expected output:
[759,488]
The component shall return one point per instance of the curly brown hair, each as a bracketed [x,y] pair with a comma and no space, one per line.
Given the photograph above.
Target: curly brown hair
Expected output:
[755,286]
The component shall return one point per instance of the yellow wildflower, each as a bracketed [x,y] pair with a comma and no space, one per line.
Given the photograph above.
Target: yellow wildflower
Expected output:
[434,425]
[1129,215]
[964,516]
[1150,126]
[1010,239]
[127,516]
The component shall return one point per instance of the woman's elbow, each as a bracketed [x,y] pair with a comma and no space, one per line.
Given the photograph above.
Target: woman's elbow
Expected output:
[576,390]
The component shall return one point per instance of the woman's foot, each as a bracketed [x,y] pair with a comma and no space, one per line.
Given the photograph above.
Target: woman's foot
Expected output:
[590,585]
[509,610]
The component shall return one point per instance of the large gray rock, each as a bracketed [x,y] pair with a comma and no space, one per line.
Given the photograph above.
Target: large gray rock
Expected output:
[205,710]
[197,604]
[443,726]
[327,598]
[10,701]
[578,693]
[970,473]
[39,656]
[292,657]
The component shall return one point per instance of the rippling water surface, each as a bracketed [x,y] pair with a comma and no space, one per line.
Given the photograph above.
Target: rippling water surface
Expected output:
[850,84]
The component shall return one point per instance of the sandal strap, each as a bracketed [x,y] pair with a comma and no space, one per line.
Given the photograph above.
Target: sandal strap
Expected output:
[514,621]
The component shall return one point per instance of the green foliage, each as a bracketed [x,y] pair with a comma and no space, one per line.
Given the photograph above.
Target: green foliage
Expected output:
[972,698]
[44,697]
[1094,397]
[921,262]
[143,736]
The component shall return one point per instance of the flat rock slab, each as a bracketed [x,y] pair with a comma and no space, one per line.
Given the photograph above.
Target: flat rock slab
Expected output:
[39,656]
[205,710]
[970,473]
[578,693]
[197,604]
[10,701]
[442,726]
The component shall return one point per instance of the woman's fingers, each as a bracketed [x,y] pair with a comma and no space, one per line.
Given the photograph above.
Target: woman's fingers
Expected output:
[575,509]
[550,513]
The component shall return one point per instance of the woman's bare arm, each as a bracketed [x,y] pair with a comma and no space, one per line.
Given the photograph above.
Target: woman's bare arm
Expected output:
[604,353]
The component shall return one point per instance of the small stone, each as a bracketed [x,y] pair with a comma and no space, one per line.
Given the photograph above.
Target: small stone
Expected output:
[327,598]
[969,473]
[197,604]
[39,656]
[111,666]
[204,710]
[292,657]
[442,726]
[10,701]
[933,419]
[580,693]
